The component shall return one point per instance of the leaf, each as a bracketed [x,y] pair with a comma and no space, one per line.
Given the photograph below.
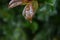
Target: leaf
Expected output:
[35,5]
[14,3]
[34,27]
[30,10]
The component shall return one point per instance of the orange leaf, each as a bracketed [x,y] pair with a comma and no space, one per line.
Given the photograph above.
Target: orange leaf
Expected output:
[28,12]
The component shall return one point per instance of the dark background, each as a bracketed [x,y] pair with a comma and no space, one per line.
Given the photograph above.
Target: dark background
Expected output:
[45,24]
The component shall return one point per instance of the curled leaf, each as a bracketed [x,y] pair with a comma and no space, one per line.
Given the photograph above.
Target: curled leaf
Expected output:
[14,3]
[29,11]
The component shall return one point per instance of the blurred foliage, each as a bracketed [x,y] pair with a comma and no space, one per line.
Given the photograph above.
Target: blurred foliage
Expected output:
[45,25]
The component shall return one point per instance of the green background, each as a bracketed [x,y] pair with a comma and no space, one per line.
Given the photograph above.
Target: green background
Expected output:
[45,24]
